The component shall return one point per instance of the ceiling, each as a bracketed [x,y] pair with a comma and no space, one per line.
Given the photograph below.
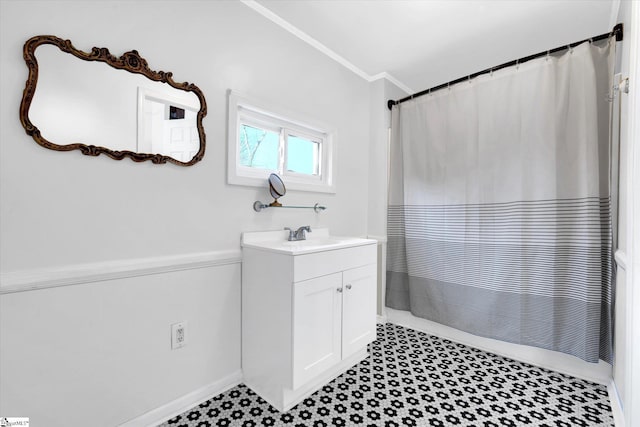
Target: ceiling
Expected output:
[421,43]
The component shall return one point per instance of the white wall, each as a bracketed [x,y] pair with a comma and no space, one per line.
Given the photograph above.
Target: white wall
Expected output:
[381,91]
[380,119]
[170,210]
[632,320]
[626,364]
[64,359]
[620,365]
[99,354]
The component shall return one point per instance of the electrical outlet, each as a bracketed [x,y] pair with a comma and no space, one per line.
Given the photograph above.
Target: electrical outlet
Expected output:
[178,335]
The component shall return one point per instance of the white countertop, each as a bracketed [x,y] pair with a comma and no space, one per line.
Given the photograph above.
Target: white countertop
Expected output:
[318,240]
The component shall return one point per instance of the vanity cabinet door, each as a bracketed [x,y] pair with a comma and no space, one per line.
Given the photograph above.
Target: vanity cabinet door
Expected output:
[317,309]
[358,309]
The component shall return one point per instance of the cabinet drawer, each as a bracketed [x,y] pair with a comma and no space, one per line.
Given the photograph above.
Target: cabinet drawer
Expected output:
[327,262]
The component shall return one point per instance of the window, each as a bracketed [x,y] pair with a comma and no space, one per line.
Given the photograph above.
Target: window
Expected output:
[264,141]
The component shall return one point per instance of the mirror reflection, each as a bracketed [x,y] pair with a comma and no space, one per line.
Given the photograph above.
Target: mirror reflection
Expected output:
[93,104]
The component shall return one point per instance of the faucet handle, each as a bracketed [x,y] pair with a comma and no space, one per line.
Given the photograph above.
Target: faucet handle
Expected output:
[292,233]
[299,233]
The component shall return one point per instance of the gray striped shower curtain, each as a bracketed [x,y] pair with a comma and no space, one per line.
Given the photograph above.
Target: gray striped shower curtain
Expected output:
[499,217]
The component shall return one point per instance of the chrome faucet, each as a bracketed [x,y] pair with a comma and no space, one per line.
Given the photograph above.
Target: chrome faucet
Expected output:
[298,234]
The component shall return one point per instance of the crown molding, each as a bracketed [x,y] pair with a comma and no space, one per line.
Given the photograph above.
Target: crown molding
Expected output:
[265,12]
[389,77]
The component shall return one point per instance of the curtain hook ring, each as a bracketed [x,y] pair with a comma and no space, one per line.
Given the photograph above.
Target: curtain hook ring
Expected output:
[449,85]
[517,64]
[548,55]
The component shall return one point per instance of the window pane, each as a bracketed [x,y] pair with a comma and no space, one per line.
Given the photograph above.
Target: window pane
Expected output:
[303,155]
[259,147]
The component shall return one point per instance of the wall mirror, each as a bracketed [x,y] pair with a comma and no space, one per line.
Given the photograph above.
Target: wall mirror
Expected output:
[102,104]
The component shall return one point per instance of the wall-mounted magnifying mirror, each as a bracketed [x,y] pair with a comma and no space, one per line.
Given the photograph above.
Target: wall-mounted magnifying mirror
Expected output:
[109,105]
[276,188]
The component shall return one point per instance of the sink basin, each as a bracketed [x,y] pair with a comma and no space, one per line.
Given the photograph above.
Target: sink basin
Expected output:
[317,240]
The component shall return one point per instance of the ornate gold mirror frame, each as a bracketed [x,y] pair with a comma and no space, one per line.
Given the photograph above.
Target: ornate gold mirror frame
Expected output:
[130,61]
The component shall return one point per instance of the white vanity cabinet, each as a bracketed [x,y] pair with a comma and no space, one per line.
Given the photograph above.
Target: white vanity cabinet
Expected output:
[332,320]
[308,313]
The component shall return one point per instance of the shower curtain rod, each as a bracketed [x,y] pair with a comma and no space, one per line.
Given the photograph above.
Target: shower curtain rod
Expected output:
[617,31]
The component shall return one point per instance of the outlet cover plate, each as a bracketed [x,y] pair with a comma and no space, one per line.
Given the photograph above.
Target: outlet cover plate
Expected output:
[178,335]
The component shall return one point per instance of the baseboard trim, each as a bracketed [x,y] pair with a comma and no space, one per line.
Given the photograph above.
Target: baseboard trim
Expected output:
[184,403]
[600,373]
[31,280]
[616,405]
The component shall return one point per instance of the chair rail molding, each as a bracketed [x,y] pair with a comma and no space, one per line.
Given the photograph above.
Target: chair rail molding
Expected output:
[36,279]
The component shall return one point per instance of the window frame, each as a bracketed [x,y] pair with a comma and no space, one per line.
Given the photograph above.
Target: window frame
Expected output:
[253,113]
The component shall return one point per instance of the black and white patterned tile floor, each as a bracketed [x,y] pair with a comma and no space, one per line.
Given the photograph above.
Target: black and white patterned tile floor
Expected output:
[414,379]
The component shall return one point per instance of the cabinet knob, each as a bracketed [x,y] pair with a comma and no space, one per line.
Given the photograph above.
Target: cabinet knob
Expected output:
[339,289]
[348,286]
